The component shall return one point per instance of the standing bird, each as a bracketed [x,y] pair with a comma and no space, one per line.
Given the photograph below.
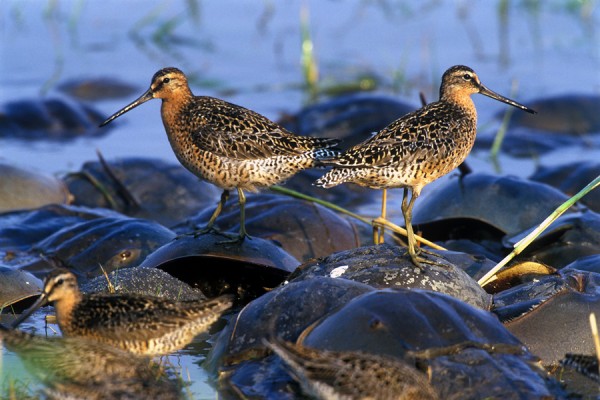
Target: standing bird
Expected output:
[143,325]
[418,148]
[225,144]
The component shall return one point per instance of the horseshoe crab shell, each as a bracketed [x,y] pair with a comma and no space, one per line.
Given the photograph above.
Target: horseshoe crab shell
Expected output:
[23,189]
[505,203]
[247,269]
[17,286]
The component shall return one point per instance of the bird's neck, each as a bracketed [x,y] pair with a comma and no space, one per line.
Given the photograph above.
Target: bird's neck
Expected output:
[172,107]
[463,102]
[64,309]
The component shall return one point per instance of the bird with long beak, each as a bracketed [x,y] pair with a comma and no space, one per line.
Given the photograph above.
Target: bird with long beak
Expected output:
[418,148]
[225,144]
[143,325]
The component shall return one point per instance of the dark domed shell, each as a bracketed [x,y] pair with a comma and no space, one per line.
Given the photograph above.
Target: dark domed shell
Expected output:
[248,268]
[506,203]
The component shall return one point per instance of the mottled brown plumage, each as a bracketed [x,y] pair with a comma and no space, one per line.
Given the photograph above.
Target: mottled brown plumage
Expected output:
[139,324]
[352,375]
[226,144]
[418,148]
[82,368]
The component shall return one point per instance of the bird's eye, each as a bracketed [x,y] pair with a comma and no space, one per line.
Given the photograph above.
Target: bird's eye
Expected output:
[60,282]
[467,77]
[166,80]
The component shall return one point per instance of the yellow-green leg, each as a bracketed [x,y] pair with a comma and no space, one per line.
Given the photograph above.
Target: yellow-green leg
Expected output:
[209,226]
[242,202]
[243,234]
[213,218]
[379,230]
[410,235]
[413,250]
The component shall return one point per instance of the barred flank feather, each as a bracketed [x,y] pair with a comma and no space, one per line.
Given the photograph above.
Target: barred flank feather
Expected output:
[586,365]
[321,154]
[334,178]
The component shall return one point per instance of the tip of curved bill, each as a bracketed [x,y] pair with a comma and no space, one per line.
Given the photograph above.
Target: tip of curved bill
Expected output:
[141,100]
[490,93]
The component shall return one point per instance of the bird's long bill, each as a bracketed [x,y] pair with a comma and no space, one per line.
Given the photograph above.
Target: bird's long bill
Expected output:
[141,100]
[490,93]
[41,301]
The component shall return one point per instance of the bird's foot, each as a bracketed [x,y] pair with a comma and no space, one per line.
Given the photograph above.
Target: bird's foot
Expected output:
[203,231]
[418,260]
[234,239]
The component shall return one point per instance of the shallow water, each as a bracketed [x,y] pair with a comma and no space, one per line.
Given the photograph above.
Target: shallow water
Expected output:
[248,52]
[184,365]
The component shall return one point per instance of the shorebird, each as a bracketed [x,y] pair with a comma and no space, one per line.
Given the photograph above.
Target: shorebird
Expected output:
[142,325]
[82,368]
[418,148]
[351,374]
[225,144]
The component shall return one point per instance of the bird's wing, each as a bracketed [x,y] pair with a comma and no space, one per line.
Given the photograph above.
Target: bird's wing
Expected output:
[406,140]
[227,130]
[118,317]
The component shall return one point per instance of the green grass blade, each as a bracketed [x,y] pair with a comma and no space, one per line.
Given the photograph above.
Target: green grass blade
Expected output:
[499,138]
[526,241]
[393,227]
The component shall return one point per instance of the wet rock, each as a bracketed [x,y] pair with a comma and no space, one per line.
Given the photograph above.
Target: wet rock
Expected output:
[474,263]
[487,250]
[15,288]
[80,239]
[570,237]
[387,266]
[305,230]
[571,114]
[555,311]
[137,187]
[54,119]
[571,178]
[106,244]
[589,263]
[465,207]
[247,269]
[19,230]
[143,281]
[93,89]
[562,121]
[24,189]
[528,143]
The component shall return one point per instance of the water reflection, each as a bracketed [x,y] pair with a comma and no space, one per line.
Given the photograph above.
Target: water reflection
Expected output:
[88,369]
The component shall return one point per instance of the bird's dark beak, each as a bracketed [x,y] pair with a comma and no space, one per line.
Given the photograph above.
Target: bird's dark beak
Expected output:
[41,301]
[490,93]
[149,95]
